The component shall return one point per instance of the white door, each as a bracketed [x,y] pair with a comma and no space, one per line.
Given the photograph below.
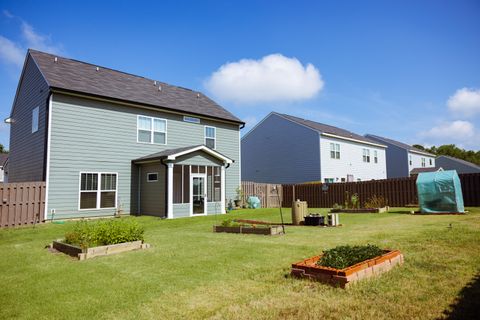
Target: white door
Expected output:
[198,197]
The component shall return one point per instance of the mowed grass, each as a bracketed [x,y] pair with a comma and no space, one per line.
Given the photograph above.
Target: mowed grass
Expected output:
[191,272]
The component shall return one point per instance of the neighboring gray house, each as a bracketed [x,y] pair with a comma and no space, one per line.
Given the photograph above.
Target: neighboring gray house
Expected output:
[287,149]
[462,166]
[3,163]
[106,141]
[403,158]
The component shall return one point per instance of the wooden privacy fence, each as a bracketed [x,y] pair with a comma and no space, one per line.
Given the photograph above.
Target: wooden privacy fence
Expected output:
[266,192]
[397,192]
[21,203]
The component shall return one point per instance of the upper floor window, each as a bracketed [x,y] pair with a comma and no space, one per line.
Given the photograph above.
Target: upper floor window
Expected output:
[334,150]
[151,130]
[410,159]
[35,113]
[366,155]
[210,137]
[430,161]
[423,162]
[375,156]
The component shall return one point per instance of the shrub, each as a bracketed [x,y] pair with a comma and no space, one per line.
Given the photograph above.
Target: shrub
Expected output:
[104,232]
[376,202]
[345,256]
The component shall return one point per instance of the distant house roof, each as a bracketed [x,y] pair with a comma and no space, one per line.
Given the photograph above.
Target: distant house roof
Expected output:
[466,163]
[399,144]
[3,159]
[172,154]
[327,129]
[420,170]
[68,75]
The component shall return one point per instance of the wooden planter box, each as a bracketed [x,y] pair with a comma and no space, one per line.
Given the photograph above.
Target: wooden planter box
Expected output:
[361,210]
[309,269]
[270,231]
[93,252]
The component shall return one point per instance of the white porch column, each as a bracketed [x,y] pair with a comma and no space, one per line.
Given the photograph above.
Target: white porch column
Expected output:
[222,189]
[169,190]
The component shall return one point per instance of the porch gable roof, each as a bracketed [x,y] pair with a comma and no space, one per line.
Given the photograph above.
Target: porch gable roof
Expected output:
[173,154]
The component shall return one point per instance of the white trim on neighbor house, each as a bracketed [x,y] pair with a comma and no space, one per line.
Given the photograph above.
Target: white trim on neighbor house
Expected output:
[98,191]
[152,180]
[204,176]
[152,130]
[352,139]
[47,161]
[169,190]
[214,136]
[422,153]
[203,148]
[222,189]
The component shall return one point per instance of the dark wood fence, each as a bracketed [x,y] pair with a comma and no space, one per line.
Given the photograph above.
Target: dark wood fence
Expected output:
[397,192]
[266,192]
[21,203]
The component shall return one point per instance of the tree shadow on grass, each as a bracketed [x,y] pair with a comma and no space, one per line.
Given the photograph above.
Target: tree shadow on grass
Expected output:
[467,304]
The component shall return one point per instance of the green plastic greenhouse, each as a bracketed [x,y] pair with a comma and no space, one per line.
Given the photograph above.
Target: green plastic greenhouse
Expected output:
[440,192]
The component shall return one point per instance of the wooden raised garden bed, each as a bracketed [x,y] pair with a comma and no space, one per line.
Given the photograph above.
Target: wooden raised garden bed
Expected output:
[93,252]
[270,230]
[309,269]
[361,210]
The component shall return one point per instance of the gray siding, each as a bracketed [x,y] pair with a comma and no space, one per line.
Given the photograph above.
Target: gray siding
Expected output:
[27,149]
[280,151]
[152,194]
[450,164]
[88,135]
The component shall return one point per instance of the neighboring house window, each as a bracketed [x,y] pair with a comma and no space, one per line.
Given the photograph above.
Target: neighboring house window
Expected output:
[375,156]
[430,161]
[423,162]
[366,155]
[410,159]
[329,180]
[210,134]
[152,177]
[35,119]
[334,150]
[151,130]
[191,119]
[98,190]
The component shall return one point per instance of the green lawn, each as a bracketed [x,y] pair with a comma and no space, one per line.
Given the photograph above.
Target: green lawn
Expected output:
[193,273]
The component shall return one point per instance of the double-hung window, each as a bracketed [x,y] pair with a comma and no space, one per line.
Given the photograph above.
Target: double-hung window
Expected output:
[375,156]
[210,137]
[151,130]
[430,161]
[98,190]
[366,155]
[334,150]
[410,159]
[423,162]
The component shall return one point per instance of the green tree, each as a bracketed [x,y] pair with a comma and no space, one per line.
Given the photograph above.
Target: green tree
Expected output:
[453,151]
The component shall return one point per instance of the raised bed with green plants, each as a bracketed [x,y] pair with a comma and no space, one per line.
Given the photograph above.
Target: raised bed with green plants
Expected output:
[230,226]
[343,265]
[352,204]
[90,239]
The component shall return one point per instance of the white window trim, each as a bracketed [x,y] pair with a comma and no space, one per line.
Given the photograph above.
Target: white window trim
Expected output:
[335,150]
[366,155]
[99,190]
[148,176]
[152,131]
[35,112]
[214,137]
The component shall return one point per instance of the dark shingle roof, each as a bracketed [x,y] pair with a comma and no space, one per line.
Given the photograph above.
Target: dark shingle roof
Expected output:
[325,128]
[420,170]
[398,144]
[78,76]
[470,164]
[165,153]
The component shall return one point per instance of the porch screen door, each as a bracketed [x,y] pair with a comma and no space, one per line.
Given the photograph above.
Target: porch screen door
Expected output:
[198,195]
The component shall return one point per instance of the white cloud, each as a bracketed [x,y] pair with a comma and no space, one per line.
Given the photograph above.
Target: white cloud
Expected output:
[273,78]
[10,52]
[465,101]
[13,52]
[459,132]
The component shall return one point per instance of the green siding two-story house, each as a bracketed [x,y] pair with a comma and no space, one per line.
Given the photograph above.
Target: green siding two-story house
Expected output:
[106,142]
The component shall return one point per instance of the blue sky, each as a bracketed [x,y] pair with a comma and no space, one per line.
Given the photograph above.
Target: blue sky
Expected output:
[408,70]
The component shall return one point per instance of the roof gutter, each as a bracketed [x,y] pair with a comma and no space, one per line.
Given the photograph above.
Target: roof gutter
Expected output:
[353,139]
